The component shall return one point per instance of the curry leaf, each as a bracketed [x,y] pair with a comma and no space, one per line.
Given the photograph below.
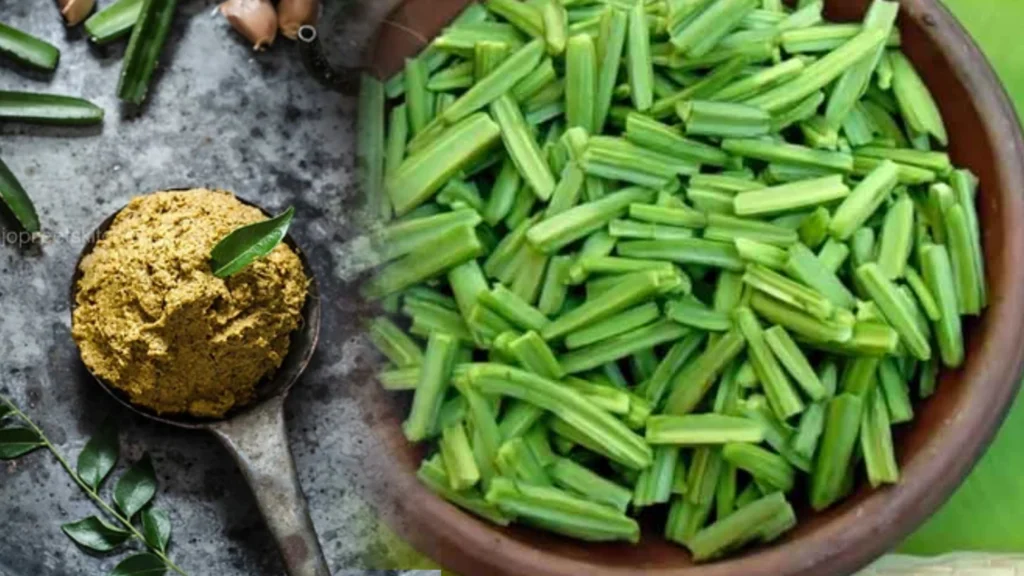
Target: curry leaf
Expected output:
[136,488]
[16,442]
[248,244]
[156,527]
[140,565]
[15,197]
[5,411]
[99,456]
[95,534]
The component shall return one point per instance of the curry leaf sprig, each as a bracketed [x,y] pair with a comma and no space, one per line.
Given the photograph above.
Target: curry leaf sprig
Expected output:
[132,514]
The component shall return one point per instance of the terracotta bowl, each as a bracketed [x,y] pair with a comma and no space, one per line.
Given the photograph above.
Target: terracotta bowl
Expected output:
[936,451]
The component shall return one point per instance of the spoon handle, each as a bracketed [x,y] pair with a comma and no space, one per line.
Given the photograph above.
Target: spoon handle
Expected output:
[259,443]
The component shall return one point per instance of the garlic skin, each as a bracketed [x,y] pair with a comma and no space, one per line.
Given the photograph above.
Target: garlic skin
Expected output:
[254,19]
[75,11]
[292,14]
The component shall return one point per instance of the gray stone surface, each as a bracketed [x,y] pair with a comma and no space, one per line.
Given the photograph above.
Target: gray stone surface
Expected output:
[219,116]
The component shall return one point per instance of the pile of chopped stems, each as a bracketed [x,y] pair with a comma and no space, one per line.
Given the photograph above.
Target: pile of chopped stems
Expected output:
[693,253]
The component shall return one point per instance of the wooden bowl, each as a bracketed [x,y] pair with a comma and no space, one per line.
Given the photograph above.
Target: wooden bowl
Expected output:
[935,452]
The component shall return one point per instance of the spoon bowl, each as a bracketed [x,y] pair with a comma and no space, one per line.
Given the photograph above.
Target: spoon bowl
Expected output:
[255,433]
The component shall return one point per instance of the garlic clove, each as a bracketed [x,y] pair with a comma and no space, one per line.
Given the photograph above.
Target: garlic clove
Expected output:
[254,19]
[75,11]
[293,14]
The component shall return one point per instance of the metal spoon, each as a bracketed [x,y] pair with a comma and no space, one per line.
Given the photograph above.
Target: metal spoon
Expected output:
[255,434]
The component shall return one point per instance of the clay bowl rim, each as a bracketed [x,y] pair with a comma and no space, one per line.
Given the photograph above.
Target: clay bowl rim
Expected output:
[874,522]
[278,384]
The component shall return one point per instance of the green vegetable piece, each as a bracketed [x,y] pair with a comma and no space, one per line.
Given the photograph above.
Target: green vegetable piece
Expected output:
[515,460]
[894,308]
[655,483]
[542,77]
[113,22]
[876,442]
[938,276]
[820,73]
[397,139]
[503,193]
[842,429]
[613,326]
[514,309]
[576,478]
[959,241]
[895,391]
[938,162]
[560,512]
[402,237]
[595,355]
[793,293]
[393,342]
[417,98]
[434,477]
[611,43]
[707,29]
[673,361]
[793,196]
[702,429]
[726,228]
[425,172]
[17,200]
[760,253]
[449,250]
[757,83]
[916,103]
[863,201]
[741,527]
[691,384]
[556,26]
[553,234]
[965,187]
[487,56]
[144,48]
[803,110]
[523,15]
[522,148]
[497,83]
[804,266]
[854,81]
[672,216]
[458,458]
[782,396]
[799,321]
[651,134]
[808,432]
[52,109]
[618,159]
[723,120]
[27,49]
[402,379]
[435,373]
[684,251]
[833,255]
[795,362]
[763,465]
[534,354]
[770,151]
[243,246]
[581,82]
[639,63]
[624,446]
[896,240]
